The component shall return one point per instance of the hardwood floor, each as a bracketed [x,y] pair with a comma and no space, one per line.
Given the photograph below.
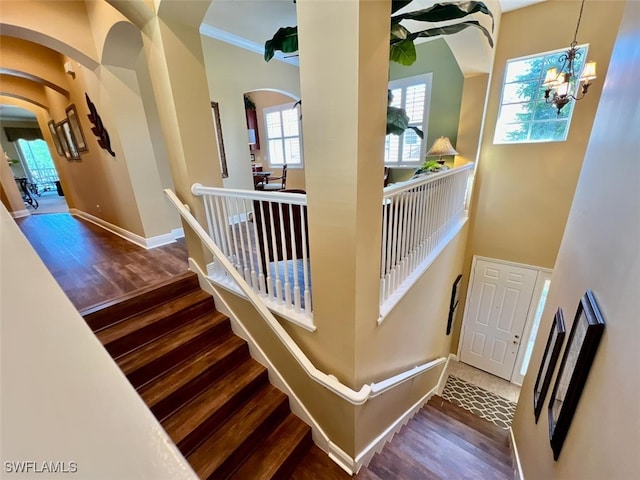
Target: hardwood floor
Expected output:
[93,265]
[441,442]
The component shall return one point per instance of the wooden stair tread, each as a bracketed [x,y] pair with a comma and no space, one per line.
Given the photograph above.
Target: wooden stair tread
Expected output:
[275,456]
[482,426]
[221,453]
[465,435]
[169,391]
[314,461]
[151,351]
[171,313]
[209,406]
[101,315]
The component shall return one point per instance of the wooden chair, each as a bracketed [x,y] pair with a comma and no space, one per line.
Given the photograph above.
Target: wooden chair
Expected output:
[274,187]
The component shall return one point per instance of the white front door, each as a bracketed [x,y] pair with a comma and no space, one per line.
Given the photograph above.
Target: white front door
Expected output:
[499,299]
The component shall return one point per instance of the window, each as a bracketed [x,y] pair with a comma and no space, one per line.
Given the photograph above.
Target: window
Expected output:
[524,115]
[35,154]
[283,135]
[413,95]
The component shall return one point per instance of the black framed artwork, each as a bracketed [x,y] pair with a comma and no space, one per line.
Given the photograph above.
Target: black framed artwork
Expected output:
[549,360]
[453,304]
[579,353]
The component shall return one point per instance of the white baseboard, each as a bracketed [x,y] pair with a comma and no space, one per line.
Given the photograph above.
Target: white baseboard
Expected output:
[20,213]
[518,474]
[177,233]
[147,243]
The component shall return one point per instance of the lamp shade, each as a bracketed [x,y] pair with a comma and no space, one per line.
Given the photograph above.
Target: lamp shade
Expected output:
[442,146]
[589,72]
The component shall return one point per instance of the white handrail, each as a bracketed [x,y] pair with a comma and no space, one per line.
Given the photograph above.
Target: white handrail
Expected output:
[330,382]
[398,187]
[292,198]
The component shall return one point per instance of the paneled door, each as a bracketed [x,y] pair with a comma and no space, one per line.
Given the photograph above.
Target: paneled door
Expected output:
[499,299]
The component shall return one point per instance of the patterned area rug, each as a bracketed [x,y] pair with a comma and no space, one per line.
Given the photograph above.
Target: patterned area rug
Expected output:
[480,402]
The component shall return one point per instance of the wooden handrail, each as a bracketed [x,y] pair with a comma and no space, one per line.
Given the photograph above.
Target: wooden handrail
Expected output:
[355,397]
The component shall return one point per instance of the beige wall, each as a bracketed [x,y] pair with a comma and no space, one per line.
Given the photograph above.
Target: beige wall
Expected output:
[231,72]
[599,251]
[474,96]
[522,192]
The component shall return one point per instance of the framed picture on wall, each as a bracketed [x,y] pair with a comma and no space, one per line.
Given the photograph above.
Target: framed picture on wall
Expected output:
[68,136]
[54,136]
[577,359]
[76,129]
[218,129]
[63,141]
[549,360]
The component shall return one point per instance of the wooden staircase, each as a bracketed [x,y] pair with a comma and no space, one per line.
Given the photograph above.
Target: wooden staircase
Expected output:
[198,379]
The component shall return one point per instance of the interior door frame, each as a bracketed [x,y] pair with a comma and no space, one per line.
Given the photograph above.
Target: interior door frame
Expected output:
[535,298]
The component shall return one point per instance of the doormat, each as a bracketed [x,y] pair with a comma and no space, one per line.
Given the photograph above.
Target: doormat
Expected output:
[480,402]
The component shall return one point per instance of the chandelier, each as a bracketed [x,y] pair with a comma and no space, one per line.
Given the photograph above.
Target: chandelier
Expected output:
[561,86]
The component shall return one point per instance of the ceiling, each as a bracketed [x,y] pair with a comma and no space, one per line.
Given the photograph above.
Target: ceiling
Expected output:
[249,23]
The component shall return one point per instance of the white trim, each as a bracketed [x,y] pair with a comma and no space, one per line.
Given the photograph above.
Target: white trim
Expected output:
[177,233]
[146,243]
[508,262]
[518,474]
[20,213]
[538,288]
[390,303]
[240,42]
[159,240]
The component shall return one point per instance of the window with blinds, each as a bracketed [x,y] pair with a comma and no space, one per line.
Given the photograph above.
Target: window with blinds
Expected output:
[284,135]
[412,94]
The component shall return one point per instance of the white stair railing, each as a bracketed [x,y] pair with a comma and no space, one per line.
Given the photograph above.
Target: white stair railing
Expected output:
[264,235]
[418,218]
[330,382]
